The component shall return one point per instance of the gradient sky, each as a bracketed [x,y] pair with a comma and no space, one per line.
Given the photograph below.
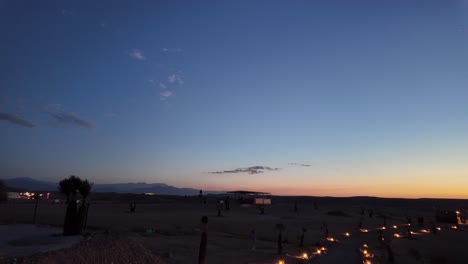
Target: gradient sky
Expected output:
[334,98]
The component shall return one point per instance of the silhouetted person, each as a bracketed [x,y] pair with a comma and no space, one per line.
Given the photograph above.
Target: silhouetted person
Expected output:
[132,207]
[262,209]
[203,241]
[280,228]
[253,238]
[380,237]
[433,228]
[227,201]
[363,210]
[421,221]
[360,223]
[301,242]
[315,205]
[325,229]
[295,207]
[384,220]
[219,207]
[409,233]
[371,213]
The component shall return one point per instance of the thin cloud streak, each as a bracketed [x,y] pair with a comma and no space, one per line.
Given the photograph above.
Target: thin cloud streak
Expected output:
[12,118]
[299,164]
[66,118]
[249,170]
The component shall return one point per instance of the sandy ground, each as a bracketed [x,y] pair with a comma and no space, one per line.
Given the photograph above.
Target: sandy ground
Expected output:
[25,240]
[177,237]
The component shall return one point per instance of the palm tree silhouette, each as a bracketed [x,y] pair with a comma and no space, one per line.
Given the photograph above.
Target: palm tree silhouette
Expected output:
[74,217]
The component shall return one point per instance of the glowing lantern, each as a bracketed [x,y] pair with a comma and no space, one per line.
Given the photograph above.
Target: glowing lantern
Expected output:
[347,234]
[281,261]
[331,239]
[363,230]
[396,235]
[395,227]
[305,256]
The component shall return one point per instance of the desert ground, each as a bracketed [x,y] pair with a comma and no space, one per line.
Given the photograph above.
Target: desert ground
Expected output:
[114,235]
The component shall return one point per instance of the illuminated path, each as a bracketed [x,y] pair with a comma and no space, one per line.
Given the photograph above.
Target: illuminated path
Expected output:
[346,251]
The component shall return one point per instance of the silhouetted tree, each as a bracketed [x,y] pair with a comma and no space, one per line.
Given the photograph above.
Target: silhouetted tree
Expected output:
[203,241]
[84,190]
[74,217]
[3,192]
[280,227]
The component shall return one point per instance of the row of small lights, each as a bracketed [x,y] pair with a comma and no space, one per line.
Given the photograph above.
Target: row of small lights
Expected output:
[367,256]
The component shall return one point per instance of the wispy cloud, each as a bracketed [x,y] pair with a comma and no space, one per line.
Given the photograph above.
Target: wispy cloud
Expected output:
[137,55]
[299,164]
[12,118]
[165,94]
[174,78]
[249,170]
[67,118]
[162,85]
[171,50]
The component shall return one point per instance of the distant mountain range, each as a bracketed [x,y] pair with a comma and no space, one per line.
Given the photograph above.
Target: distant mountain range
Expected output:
[29,184]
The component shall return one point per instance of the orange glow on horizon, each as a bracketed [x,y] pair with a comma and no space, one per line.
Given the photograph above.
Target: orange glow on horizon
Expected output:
[383,190]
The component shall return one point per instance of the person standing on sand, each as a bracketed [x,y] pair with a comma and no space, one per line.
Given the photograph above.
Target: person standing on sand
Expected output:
[253,238]
[325,230]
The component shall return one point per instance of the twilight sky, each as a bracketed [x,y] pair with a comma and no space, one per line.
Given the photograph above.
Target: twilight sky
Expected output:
[327,97]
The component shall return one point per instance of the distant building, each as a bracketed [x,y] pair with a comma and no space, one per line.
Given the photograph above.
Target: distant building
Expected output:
[249,197]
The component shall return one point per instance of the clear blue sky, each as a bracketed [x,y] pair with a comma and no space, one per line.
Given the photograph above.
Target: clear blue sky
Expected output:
[328,97]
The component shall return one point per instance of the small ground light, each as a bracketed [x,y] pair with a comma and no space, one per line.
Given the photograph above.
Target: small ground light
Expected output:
[305,255]
[347,234]
[281,261]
